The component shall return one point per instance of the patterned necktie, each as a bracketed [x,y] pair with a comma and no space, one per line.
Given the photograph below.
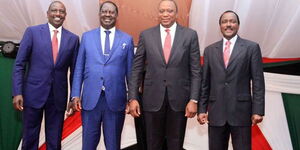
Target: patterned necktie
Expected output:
[107,44]
[167,45]
[226,53]
[54,45]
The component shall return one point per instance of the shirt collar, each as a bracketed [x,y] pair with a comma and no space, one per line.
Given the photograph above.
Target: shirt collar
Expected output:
[172,28]
[112,30]
[51,28]
[232,40]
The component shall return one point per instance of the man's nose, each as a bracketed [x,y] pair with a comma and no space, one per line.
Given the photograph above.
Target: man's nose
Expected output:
[107,13]
[228,24]
[165,13]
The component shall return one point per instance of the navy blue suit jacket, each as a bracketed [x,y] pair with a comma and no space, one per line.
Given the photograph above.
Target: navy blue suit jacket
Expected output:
[35,73]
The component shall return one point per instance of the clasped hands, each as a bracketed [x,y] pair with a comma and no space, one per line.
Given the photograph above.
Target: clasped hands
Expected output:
[74,105]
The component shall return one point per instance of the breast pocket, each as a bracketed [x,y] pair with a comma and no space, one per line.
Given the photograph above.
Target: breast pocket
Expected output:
[147,83]
[212,98]
[244,97]
[122,49]
[33,81]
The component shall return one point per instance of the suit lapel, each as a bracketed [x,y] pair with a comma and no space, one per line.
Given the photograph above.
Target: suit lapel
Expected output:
[157,42]
[236,51]
[46,38]
[219,49]
[63,40]
[178,35]
[97,38]
[115,44]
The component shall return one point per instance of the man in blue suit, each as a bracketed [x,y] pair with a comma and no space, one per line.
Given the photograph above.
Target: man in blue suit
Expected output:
[103,66]
[40,75]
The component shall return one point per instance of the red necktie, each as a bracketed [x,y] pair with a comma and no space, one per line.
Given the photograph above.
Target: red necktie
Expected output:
[226,53]
[167,45]
[54,45]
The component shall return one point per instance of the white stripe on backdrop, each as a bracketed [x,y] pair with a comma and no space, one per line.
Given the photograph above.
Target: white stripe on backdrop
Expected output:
[274,126]
[73,141]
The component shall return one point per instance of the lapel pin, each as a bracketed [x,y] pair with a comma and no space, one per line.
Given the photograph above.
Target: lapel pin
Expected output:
[124,45]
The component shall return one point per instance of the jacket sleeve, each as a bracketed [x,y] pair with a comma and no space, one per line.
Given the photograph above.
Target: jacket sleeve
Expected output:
[205,84]
[137,69]
[79,70]
[195,69]
[258,84]
[23,57]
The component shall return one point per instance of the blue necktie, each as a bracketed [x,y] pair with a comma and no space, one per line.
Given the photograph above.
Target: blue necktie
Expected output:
[107,44]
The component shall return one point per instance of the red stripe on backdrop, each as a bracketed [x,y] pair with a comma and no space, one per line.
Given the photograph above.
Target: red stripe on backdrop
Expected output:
[259,142]
[275,60]
[71,124]
[270,60]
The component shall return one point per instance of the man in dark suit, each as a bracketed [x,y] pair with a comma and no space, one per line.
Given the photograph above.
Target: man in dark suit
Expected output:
[233,88]
[40,75]
[103,65]
[169,55]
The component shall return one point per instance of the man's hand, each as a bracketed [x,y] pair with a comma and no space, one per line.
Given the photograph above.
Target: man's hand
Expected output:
[256,119]
[76,104]
[18,102]
[202,118]
[133,107]
[70,110]
[191,109]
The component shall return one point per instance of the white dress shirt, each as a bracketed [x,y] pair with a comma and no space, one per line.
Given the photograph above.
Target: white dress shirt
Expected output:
[232,42]
[163,33]
[103,36]
[51,29]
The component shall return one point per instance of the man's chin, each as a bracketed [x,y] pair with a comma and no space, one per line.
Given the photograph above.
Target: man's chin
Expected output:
[56,25]
[166,25]
[107,26]
[229,36]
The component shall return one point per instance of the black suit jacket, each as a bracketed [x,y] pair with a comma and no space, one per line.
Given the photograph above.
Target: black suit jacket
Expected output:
[181,76]
[227,93]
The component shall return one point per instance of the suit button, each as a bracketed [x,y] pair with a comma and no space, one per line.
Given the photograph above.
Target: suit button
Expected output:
[165,83]
[226,83]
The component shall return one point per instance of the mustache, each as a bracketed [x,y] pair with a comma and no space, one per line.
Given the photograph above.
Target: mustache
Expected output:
[230,28]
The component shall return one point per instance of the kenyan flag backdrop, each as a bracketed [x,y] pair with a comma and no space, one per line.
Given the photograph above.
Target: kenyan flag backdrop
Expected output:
[280,129]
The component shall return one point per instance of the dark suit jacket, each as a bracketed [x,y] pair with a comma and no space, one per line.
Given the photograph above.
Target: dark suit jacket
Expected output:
[181,76]
[226,93]
[35,52]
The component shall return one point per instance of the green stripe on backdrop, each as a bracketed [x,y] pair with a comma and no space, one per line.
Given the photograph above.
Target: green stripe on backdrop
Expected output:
[10,120]
[292,110]
[277,64]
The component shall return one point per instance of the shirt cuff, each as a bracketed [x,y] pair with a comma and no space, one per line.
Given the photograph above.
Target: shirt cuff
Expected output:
[194,101]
